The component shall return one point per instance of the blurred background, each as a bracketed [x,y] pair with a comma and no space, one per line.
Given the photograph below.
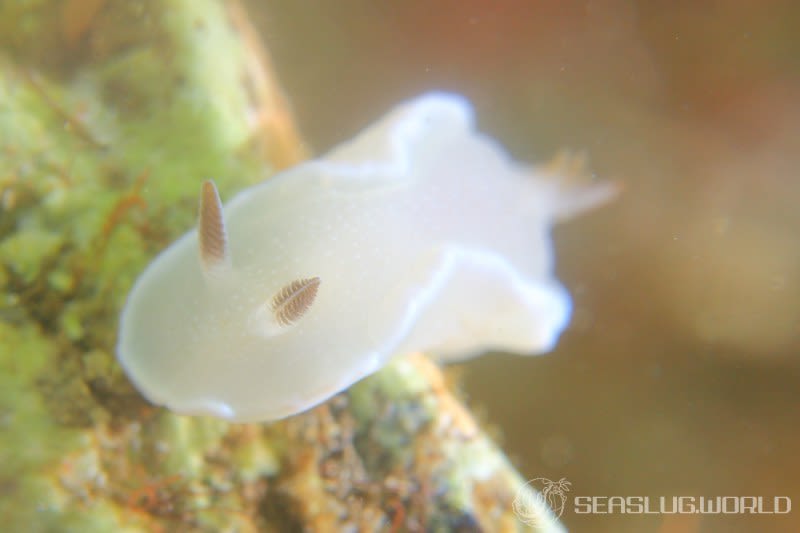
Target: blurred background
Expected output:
[680,372]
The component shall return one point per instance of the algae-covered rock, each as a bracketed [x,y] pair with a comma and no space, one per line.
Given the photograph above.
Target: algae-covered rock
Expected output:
[111,115]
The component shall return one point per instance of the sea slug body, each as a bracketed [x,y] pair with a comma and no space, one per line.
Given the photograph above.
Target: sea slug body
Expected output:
[420,234]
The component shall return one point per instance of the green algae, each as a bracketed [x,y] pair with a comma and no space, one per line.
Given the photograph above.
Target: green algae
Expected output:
[31,441]
[102,169]
[27,249]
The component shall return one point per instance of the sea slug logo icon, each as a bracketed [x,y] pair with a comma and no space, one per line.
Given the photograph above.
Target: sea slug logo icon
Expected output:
[531,506]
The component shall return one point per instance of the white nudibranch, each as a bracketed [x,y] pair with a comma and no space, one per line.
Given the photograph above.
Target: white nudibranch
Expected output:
[420,234]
